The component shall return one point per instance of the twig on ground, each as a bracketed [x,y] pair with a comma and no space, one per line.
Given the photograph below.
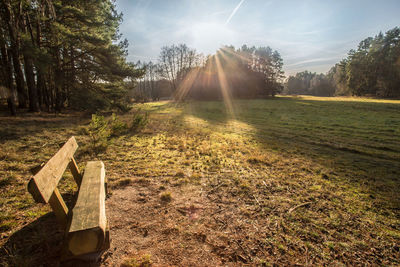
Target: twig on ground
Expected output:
[258,202]
[215,188]
[299,206]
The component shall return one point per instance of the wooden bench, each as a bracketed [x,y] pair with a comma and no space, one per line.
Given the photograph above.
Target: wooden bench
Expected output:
[86,227]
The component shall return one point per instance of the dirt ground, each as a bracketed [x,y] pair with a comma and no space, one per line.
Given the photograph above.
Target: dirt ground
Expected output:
[179,232]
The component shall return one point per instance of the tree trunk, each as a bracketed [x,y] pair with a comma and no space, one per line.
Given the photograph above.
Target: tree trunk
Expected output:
[58,82]
[7,75]
[29,73]
[30,81]
[40,78]
[14,38]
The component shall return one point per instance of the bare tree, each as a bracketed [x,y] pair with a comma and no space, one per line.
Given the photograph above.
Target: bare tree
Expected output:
[175,61]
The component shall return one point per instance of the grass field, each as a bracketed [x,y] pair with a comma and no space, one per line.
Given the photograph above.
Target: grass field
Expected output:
[290,180]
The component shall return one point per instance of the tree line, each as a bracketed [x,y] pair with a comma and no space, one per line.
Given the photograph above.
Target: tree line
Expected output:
[247,72]
[373,69]
[62,53]
[163,78]
[310,83]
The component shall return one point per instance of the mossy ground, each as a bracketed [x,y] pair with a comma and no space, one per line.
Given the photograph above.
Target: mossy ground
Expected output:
[292,180]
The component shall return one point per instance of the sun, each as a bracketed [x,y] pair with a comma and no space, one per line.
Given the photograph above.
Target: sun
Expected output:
[209,36]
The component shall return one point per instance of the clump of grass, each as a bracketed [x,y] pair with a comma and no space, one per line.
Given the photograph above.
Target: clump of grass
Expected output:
[263,263]
[166,197]
[330,245]
[180,174]
[244,186]
[142,261]
[282,248]
[182,181]
[254,160]
[124,182]
[142,181]
[324,176]
[195,178]
[5,181]
[6,226]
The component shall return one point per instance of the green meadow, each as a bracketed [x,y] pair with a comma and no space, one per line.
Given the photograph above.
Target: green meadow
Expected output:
[295,180]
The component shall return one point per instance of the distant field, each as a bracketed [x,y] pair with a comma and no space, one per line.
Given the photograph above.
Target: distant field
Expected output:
[290,180]
[360,137]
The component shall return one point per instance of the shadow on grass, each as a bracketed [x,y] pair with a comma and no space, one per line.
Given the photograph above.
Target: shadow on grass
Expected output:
[355,141]
[14,128]
[36,244]
[40,243]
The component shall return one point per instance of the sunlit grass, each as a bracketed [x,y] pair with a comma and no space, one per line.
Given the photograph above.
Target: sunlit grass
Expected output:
[317,177]
[345,98]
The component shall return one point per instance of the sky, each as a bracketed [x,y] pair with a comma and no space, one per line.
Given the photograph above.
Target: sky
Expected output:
[309,34]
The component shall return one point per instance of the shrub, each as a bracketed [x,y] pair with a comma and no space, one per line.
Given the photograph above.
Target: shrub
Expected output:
[99,132]
[117,127]
[139,121]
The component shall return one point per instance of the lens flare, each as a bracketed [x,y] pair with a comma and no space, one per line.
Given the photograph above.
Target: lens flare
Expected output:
[216,79]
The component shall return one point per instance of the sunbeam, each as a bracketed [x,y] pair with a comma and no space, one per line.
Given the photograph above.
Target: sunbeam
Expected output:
[224,86]
[187,84]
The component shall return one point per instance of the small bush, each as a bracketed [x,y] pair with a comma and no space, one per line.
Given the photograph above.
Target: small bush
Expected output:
[139,121]
[100,130]
[117,127]
[99,133]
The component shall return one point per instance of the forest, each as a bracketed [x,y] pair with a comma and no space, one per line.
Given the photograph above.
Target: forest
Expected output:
[57,54]
[373,69]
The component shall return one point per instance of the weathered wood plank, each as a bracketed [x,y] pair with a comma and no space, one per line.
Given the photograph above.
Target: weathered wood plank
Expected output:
[59,208]
[87,230]
[45,181]
[75,171]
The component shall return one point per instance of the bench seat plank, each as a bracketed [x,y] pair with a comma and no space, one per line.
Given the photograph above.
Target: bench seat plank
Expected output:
[87,231]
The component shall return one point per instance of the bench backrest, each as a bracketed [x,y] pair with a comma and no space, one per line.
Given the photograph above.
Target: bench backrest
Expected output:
[43,185]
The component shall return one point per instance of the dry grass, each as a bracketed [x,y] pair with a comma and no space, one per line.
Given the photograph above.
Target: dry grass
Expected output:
[287,181]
